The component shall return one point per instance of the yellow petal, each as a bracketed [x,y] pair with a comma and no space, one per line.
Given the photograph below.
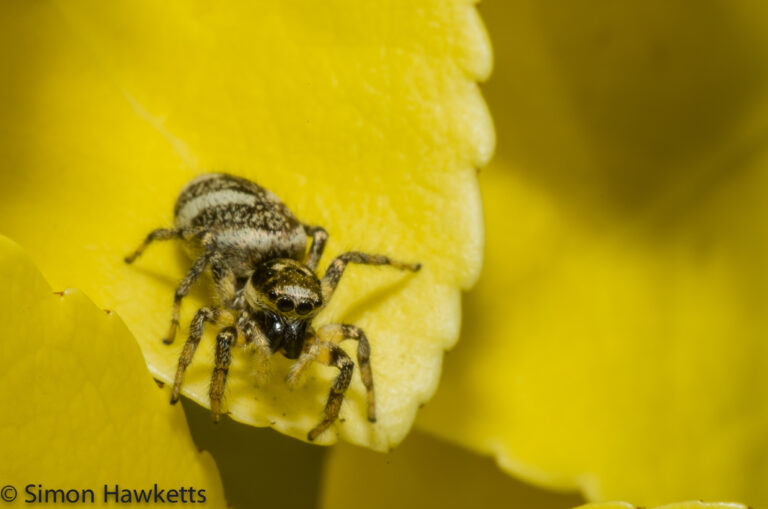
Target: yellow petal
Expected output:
[80,408]
[616,341]
[607,505]
[679,505]
[363,117]
[425,472]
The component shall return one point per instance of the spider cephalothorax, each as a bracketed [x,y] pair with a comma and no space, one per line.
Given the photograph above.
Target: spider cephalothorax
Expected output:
[267,291]
[285,296]
[286,286]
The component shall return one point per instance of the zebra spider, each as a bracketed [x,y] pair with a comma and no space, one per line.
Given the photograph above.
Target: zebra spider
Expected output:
[267,291]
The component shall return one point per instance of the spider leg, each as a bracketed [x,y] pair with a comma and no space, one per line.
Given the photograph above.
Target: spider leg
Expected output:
[194,272]
[257,343]
[206,314]
[336,269]
[319,236]
[224,342]
[336,333]
[158,234]
[308,355]
[223,278]
[182,290]
[332,355]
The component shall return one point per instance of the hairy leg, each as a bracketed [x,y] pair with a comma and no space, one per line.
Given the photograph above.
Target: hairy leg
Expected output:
[158,234]
[223,279]
[336,333]
[319,237]
[206,314]
[224,342]
[308,356]
[336,269]
[182,290]
[333,355]
[258,345]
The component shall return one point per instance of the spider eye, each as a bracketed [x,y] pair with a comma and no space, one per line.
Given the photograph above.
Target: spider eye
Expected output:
[272,295]
[317,303]
[284,304]
[304,307]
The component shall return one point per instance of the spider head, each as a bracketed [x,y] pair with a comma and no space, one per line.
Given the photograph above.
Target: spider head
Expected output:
[285,287]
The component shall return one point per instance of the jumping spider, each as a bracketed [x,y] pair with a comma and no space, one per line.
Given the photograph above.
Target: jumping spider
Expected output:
[266,289]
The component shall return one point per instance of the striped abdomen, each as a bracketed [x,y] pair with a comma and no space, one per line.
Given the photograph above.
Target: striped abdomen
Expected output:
[249,223]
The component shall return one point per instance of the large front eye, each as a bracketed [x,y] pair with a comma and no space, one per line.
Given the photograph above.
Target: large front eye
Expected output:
[304,307]
[284,304]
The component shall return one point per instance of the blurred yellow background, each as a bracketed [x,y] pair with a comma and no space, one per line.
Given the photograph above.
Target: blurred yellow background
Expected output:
[616,341]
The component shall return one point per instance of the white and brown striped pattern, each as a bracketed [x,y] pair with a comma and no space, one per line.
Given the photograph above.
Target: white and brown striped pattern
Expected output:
[248,223]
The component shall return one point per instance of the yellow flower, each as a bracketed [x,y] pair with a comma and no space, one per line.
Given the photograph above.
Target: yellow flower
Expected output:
[82,420]
[426,472]
[614,344]
[363,118]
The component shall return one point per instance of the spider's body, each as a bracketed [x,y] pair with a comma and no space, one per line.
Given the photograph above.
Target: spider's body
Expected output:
[266,287]
[248,223]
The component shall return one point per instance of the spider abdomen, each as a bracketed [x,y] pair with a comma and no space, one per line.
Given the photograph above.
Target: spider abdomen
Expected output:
[248,223]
